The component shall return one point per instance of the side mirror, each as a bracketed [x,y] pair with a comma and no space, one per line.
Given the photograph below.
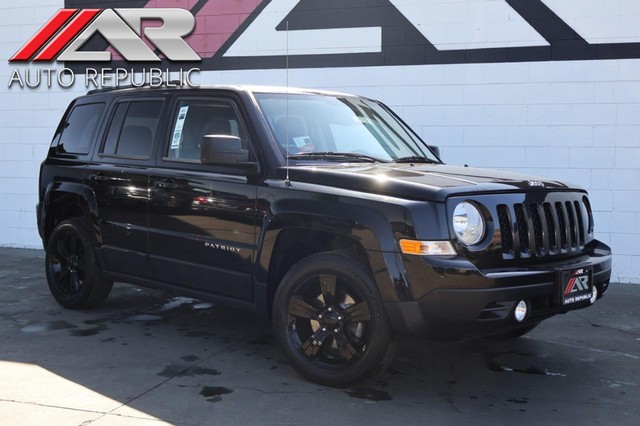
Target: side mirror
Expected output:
[435,149]
[222,149]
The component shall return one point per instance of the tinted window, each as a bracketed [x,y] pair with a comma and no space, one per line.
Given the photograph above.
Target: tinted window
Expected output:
[80,128]
[114,128]
[195,119]
[133,129]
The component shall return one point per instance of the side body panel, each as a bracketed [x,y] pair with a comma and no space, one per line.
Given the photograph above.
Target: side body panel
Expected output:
[121,193]
[202,231]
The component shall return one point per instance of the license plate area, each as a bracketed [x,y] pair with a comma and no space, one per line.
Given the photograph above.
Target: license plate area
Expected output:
[575,285]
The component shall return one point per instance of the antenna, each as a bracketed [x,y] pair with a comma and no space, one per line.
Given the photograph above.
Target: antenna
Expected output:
[287,182]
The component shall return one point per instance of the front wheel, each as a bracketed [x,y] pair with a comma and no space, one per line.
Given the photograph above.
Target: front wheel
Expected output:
[73,273]
[330,322]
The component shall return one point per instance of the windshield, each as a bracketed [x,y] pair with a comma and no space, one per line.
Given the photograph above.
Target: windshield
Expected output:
[327,125]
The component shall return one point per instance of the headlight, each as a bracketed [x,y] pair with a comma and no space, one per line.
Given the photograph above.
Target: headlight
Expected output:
[468,223]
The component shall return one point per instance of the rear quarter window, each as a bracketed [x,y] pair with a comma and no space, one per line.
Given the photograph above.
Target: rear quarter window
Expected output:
[79,129]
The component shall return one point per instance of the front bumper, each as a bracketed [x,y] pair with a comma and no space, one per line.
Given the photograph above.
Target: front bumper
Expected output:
[483,302]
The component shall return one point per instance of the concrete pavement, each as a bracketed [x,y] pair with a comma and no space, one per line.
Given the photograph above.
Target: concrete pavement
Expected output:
[149,358]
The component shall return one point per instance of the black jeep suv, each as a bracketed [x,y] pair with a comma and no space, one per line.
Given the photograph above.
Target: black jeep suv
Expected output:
[322,211]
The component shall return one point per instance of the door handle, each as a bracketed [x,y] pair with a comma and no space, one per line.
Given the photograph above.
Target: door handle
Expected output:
[166,184]
[96,177]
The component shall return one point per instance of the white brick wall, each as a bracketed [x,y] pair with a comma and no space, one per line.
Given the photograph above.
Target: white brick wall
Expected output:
[27,122]
[601,21]
[576,121]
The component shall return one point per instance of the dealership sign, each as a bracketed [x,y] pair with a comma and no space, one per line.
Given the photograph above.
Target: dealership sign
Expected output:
[69,29]
[63,36]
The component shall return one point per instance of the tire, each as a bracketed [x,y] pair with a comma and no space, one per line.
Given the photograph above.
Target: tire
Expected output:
[73,273]
[329,321]
[514,334]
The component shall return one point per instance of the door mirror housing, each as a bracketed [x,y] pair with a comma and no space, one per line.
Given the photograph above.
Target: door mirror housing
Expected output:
[222,149]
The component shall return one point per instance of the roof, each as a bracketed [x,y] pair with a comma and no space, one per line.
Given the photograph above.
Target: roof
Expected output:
[237,88]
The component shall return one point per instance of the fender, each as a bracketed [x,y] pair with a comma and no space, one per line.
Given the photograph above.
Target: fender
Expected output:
[59,191]
[359,221]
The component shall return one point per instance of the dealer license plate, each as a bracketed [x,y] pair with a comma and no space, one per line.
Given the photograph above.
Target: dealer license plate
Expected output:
[575,285]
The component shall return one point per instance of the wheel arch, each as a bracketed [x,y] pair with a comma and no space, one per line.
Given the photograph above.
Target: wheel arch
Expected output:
[67,200]
[291,237]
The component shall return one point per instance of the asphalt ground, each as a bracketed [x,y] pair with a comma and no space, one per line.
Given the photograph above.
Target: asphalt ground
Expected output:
[149,357]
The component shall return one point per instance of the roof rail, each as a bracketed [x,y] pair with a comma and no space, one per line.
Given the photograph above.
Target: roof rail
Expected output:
[172,83]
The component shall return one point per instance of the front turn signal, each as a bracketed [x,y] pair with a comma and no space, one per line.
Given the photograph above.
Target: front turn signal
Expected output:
[427,248]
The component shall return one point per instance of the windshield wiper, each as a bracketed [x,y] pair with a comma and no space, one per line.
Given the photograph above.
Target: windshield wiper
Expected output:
[332,155]
[415,159]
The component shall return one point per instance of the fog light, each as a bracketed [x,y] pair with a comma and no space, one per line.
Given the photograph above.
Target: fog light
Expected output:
[521,311]
[594,295]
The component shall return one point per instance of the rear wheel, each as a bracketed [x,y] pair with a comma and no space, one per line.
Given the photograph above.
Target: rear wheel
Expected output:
[329,321]
[73,274]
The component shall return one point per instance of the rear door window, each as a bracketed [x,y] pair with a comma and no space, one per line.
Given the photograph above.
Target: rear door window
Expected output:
[80,128]
[133,129]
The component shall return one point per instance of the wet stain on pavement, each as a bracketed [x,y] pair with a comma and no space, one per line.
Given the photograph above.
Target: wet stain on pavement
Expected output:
[518,400]
[127,318]
[369,394]
[494,365]
[175,370]
[41,327]
[213,393]
[190,358]
[199,334]
[142,317]
[83,332]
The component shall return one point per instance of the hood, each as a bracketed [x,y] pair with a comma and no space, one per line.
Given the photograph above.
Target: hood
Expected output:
[420,181]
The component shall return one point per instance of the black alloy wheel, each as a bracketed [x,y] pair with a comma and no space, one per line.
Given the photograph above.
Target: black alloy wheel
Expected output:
[330,322]
[73,275]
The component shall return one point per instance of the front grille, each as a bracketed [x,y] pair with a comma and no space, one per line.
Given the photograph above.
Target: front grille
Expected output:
[542,229]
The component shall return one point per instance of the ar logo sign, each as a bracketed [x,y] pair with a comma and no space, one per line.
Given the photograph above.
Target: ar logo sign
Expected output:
[62,36]
[577,284]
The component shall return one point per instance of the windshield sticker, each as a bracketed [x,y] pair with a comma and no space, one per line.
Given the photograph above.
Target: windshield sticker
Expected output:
[302,141]
[363,120]
[177,132]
